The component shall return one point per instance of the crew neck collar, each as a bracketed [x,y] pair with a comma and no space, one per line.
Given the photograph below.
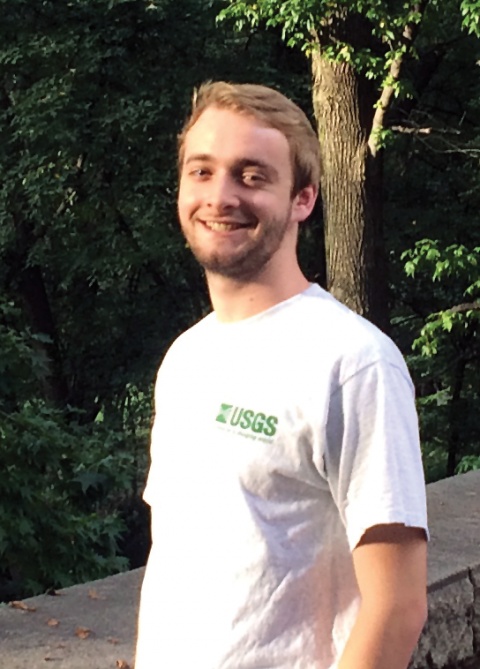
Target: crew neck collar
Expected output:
[245,322]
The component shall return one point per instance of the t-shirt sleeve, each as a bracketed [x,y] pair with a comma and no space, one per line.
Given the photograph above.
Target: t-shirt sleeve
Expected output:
[373,458]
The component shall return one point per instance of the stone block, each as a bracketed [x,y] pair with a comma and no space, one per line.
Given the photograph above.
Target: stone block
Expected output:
[448,638]
[475,580]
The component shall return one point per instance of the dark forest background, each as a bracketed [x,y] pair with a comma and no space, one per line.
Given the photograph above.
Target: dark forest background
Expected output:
[95,279]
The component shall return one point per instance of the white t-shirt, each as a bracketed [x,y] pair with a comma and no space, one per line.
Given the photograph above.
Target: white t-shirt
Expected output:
[278,440]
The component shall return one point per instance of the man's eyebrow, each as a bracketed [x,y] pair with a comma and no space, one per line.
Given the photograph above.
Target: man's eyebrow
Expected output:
[200,157]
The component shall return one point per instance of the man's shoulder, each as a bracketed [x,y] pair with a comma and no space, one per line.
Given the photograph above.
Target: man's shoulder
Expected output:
[320,322]
[188,339]
[197,329]
[328,319]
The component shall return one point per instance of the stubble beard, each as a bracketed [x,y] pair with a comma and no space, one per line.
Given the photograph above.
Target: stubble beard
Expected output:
[249,262]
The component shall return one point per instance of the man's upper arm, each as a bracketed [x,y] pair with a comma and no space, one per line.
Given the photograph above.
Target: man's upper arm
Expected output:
[390,564]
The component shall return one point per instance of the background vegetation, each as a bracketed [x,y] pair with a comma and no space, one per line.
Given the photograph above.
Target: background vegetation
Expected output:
[95,281]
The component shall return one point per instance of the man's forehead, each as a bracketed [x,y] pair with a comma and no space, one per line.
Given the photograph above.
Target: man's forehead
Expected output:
[220,129]
[228,117]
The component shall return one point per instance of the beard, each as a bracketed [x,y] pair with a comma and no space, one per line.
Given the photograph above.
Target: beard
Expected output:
[247,261]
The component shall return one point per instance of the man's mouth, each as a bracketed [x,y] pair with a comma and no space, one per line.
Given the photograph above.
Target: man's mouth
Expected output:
[221,226]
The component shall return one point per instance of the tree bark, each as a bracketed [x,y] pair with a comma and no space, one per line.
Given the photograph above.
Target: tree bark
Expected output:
[351,186]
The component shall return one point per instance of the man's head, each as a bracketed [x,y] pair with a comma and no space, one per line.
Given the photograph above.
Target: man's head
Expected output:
[248,177]
[270,108]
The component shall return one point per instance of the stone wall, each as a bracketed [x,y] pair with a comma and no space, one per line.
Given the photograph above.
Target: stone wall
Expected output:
[451,638]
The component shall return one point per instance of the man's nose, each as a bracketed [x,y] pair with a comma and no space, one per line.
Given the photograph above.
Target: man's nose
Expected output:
[223,192]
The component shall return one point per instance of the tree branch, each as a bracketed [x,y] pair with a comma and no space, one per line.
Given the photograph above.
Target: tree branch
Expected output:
[409,34]
[409,130]
[466,306]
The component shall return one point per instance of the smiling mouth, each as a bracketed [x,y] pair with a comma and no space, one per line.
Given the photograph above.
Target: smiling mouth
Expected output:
[221,226]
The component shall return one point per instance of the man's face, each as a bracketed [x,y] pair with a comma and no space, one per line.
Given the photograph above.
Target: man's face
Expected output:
[234,204]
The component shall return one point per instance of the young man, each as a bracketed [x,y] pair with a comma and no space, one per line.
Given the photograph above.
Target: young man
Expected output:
[286,485]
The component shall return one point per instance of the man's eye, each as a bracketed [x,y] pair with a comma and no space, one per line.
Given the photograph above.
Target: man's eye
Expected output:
[252,178]
[199,172]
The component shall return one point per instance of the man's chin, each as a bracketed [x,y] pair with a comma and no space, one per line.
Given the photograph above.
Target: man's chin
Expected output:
[241,269]
[230,268]
[237,271]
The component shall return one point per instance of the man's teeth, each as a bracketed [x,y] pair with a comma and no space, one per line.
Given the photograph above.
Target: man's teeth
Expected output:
[222,227]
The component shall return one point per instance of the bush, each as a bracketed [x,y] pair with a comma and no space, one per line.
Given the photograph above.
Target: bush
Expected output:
[58,519]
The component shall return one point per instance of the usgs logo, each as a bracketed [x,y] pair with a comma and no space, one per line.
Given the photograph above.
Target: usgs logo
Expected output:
[247,419]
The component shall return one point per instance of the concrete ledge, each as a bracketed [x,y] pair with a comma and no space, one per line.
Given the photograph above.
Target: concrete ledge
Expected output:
[108,608]
[89,626]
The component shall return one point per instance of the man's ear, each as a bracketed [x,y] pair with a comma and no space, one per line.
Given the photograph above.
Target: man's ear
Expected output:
[303,203]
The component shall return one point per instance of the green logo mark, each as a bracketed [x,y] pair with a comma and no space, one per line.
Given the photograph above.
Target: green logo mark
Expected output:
[225,410]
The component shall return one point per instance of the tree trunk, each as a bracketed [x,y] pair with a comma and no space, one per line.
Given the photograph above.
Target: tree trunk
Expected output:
[31,287]
[351,189]
[35,298]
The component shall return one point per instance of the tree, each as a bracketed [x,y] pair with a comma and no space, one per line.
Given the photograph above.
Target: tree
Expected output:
[366,59]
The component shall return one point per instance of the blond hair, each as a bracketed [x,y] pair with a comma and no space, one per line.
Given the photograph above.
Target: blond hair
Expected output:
[273,110]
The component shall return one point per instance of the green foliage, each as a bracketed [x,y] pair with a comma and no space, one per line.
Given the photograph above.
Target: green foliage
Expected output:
[448,355]
[387,43]
[20,362]
[58,501]
[468,463]
[61,481]
[470,10]
[432,211]
[316,24]
[453,262]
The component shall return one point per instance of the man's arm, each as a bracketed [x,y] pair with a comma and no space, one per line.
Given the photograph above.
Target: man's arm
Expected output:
[391,569]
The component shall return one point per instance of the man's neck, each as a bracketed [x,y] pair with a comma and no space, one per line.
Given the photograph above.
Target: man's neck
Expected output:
[234,300]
